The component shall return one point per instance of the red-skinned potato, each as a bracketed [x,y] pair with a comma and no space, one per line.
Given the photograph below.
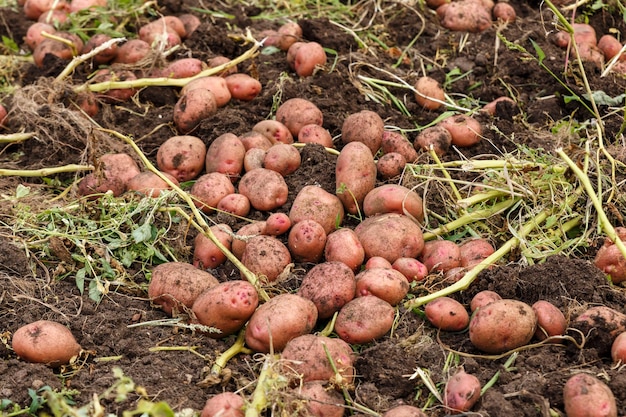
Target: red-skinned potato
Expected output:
[462,392]
[385,283]
[206,254]
[584,34]
[85,101]
[3,116]
[366,127]
[618,349]
[116,95]
[465,16]
[504,11]
[35,8]
[475,251]
[378,262]
[364,319]
[306,241]
[192,108]
[119,166]
[292,51]
[54,17]
[319,400]
[182,156]
[104,56]
[396,142]
[610,260]
[464,130]
[288,34]
[343,245]
[160,37]
[34,34]
[393,198]
[266,256]
[266,189]
[411,268]
[390,236]
[255,140]
[132,51]
[282,158]
[602,319]
[404,411]
[499,104]
[277,224]
[163,24]
[209,189]
[244,234]
[482,298]
[441,255]
[550,320]
[190,23]
[225,155]
[585,395]
[277,321]
[96,183]
[436,137]
[78,5]
[447,314]
[176,285]
[329,285]
[253,159]
[62,50]
[390,165]
[610,46]
[355,173]
[298,112]
[184,68]
[429,94]
[315,203]
[224,404]
[315,134]
[215,84]
[226,307]
[235,203]
[243,87]
[218,61]
[308,58]
[274,130]
[150,184]
[45,341]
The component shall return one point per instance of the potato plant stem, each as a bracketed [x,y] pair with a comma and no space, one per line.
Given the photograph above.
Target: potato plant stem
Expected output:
[16,137]
[265,383]
[237,348]
[44,172]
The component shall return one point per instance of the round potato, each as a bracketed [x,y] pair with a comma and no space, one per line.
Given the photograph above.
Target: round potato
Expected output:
[215,84]
[482,298]
[253,159]
[244,234]
[192,108]
[237,204]
[343,245]
[378,262]
[390,165]
[585,395]
[298,112]
[385,283]
[315,134]
[45,341]
[266,189]
[436,137]
[464,130]
[119,166]
[282,158]
[366,127]
[266,256]
[364,319]
[429,94]
[462,392]
[308,58]
[474,251]
[319,400]
[306,241]
[610,260]
[209,189]
[396,142]
[441,255]
[182,156]
[315,203]
[447,314]
[224,404]
[618,349]
[393,198]
[390,236]
[411,268]
[243,87]
[330,285]
[275,131]
[277,224]
[252,140]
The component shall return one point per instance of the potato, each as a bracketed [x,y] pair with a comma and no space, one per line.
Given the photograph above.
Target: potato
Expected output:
[447,314]
[182,156]
[404,411]
[282,318]
[282,158]
[119,166]
[618,349]
[54,17]
[78,5]
[429,94]
[441,255]
[253,140]
[244,234]
[474,251]
[329,285]
[45,341]
[608,44]
[390,165]
[500,104]
[502,325]
[288,33]
[385,283]
[292,52]
[504,11]
[266,256]
[226,307]
[355,173]
[274,130]
[393,198]
[57,48]
[176,285]
[220,60]
[35,8]
[306,357]
[188,67]
[243,87]
[165,23]
[343,245]
[150,184]
[266,189]
[315,203]
[366,127]
[308,58]
[318,400]
[118,94]
[584,34]
[225,154]
[437,137]
[192,108]
[206,254]
[610,260]
[585,395]
[364,319]
[482,298]
[234,203]
[215,84]
[132,51]
[86,102]
[104,56]
[190,23]
[96,183]
[34,34]
[395,142]
[159,37]
[550,320]
[277,224]
[411,268]
[465,16]
[390,236]
[464,130]
[378,262]
[298,112]
[253,159]
[3,116]
[209,189]
[306,241]
[224,404]
[462,392]
[601,319]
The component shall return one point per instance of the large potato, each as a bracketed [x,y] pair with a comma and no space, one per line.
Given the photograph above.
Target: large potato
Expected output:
[355,174]
[393,198]
[502,325]
[45,341]
[343,246]
[225,155]
[282,318]
[192,108]
[266,189]
[315,203]
[396,142]
[585,395]
[182,156]
[330,285]
[209,189]
[266,256]
[385,283]
[298,112]
[465,16]
[390,236]
[366,127]
[364,319]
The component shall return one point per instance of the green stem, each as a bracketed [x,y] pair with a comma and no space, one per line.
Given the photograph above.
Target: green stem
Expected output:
[44,172]
[264,384]
[237,348]
[15,137]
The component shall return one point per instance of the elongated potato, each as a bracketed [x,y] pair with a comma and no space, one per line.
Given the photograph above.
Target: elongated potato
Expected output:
[601,319]
[225,155]
[330,285]
[585,395]
[315,203]
[364,319]
[355,175]
[266,256]
[550,320]
[390,236]
[429,94]
[393,198]
[45,341]
[385,283]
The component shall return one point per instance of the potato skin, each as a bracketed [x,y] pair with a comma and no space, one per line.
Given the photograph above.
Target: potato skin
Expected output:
[609,259]
[313,133]
[275,131]
[366,127]
[119,166]
[306,241]
[225,155]
[404,411]
[427,89]
[209,189]
[206,254]
[390,236]
[355,173]
[474,251]
[319,400]
[150,184]
[330,285]
[308,57]
[244,234]
[441,255]
[266,189]
[411,268]
[192,108]
[390,165]
[436,136]
[464,130]
[550,320]
[297,112]
[266,256]
[385,283]
[618,348]
[282,318]
[462,392]
[465,16]
[182,156]
[225,404]
[215,84]
[282,158]
[393,198]
[364,319]
[277,224]
[603,319]
[45,341]
[447,314]
[234,203]
[395,142]
[243,87]
[585,395]
[343,245]
[483,298]
[502,325]
[315,203]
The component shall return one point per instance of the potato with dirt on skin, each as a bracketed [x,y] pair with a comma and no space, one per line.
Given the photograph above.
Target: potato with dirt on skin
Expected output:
[115,95]
[447,314]
[277,224]
[464,130]
[274,130]
[192,108]
[393,198]
[429,94]
[396,142]
[475,251]
[266,256]
[550,320]
[218,61]
[209,189]
[132,51]
[298,112]
[601,319]
[462,392]
[343,245]
[307,58]
[95,183]
[215,84]
[253,159]
[255,140]
[225,154]
[282,158]
[306,241]
[390,165]
[266,189]
[404,411]
[437,138]
[186,68]
[190,23]
[45,341]
[61,49]
[120,166]
[318,399]
[315,203]
[385,283]
[610,260]
[355,175]
[104,56]
[329,285]
[465,16]
[150,184]
[440,255]
[33,9]
[224,404]
[234,203]
[504,12]
[182,156]
[277,321]
[585,395]
[34,34]
[226,307]
[366,127]
[482,298]
[176,285]
[206,254]
[390,236]
[364,319]
[500,104]
[502,325]
[243,87]
[244,234]
[315,134]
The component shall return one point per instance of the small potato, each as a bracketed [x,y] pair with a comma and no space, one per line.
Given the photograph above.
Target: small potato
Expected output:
[355,173]
[550,320]
[395,142]
[159,37]
[609,45]
[120,166]
[266,256]
[86,102]
[411,268]
[366,127]
[209,189]
[343,245]
[474,251]
[393,198]
[585,395]
[315,203]
[165,23]
[185,68]
[266,189]
[226,307]
[190,23]
[404,411]
[618,349]
[45,342]
[277,321]
[274,130]
[253,159]
[308,58]
[465,16]
[104,56]
[441,255]
[447,314]
[502,325]
[255,140]
[219,61]
[390,236]
[243,87]
[132,51]
[437,137]
[429,94]
[482,298]
[610,260]
[244,234]
[315,134]
[378,262]
[464,130]
[364,319]
[3,116]
[192,108]
[282,158]
[306,241]
[215,84]
[225,155]
[298,112]
[175,285]
[385,283]
[500,104]
[462,392]
[390,165]
[78,5]
[96,183]
[319,400]
[182,156]
[504,12]
[330,285]
[53,47]
[277,224]
[206,254]
[34,34]
[150,184]
[235,203]
[224,404]
[288,33]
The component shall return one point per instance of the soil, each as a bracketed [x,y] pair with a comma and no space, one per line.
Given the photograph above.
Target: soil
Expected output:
[116,332]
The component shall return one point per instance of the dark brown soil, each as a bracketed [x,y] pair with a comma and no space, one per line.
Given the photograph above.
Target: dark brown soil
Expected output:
[111,332]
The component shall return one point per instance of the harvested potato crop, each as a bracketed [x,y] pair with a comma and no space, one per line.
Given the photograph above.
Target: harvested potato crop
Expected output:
[364,319]
[209,189]
[343,245]
[215,84]
[206,254]
[411,268]
[45,341]
[395,142]
[330,285]
[390,236]
[440,255]
[475,251]
[436,137]
[404,411]
[315,203]
[610,46]
[308,57]
[447,314]
[192,108]
[315,134]
[462,392]
[61,49]
[393,198]
[132,51]
[120,166]
[245,233]
[390,165]
[464,130]
[298,112]
[306,241]
[96,183]
[465,16]
[266,256]
[226,155]
[378,262]
[429,94]
[104,56]
[234,203]
[116,95]
[254,139]
[185,68]
[150,184]
[618,349]
[282,158]
[34,34]
[366,127]
[243,87]
[603,320]
[610,260]
[550,320]
[504,12]
[266,189]
[253,159]
[182,156]
[482,298]
[500,105]
[319,400]
[224,404]
[277,224]
[355,173]
[274,130]
[385,283]
[585,395]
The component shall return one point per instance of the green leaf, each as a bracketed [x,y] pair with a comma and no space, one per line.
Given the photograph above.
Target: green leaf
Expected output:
[142,233]
[21,191]
[10,43]
[540,54]
[95,292]
[600,97]
[80,279]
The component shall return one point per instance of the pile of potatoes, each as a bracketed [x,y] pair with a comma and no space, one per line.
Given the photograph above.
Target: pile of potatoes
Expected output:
[590,49]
